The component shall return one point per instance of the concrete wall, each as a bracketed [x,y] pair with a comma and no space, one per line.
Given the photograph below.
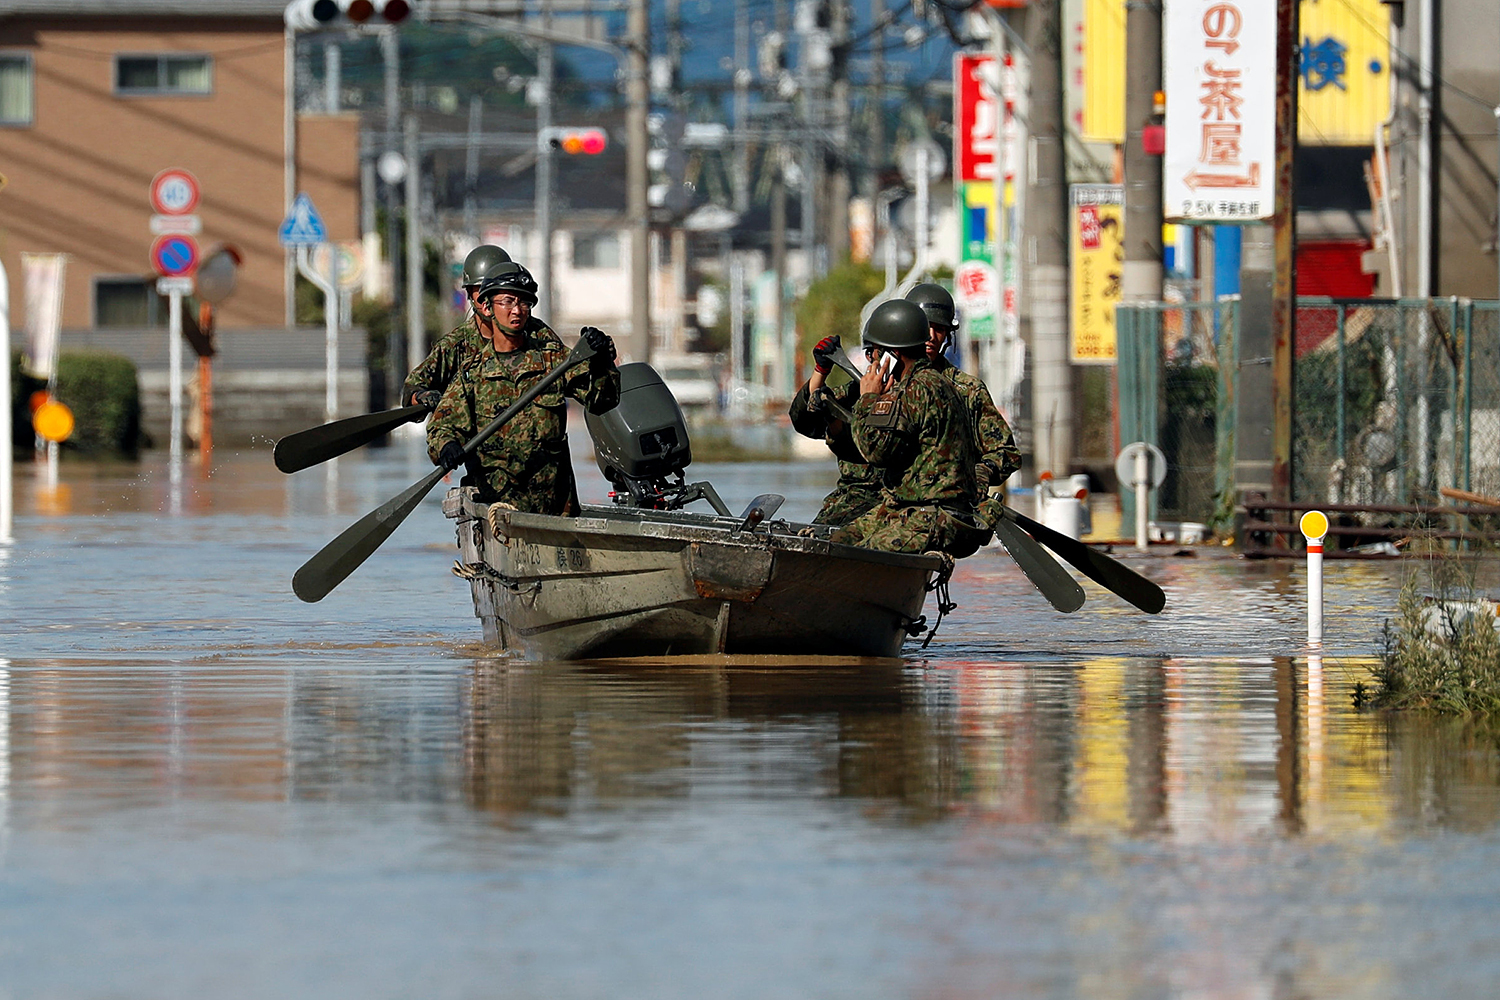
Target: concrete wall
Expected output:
[266,382]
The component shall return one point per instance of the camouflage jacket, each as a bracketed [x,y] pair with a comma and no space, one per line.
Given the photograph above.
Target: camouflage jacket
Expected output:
[453,352]
[816,424]
[993,440]
[525,457]
[918,436]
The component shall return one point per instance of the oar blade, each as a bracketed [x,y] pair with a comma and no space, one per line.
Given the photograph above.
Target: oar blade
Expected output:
[342,556]
[315,445]
[1044,572]
[1111,574]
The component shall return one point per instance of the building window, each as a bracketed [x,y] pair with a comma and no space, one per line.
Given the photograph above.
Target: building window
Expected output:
[596,250]
[162,74]
[128,302]
[17,105]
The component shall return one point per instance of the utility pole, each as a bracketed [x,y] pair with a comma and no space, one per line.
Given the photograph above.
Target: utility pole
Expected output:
[741,106]
[1141,277]
[546,73]
[416,348]
[471,165]
[876,109]
[1046,239]
[1284,279]
[390,53]
[812,52]
[638,94]
[837,238]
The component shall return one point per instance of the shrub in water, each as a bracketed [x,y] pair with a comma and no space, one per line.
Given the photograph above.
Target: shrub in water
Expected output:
[101,390]
[1441,655]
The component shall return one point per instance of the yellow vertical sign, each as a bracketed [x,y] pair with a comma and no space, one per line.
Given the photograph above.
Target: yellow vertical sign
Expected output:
[1097,237]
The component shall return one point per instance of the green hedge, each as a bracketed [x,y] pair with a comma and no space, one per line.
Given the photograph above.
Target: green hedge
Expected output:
[102,391]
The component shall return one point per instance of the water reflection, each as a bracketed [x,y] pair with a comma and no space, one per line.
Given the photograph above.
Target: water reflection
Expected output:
[1187,751]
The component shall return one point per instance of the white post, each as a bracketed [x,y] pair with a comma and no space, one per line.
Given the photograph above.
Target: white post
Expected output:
[330,322]
[174,377]
[331,335]
[7,459]
[1142,495]
[1314,526]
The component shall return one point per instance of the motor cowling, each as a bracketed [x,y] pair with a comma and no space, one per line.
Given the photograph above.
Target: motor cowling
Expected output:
[645,437]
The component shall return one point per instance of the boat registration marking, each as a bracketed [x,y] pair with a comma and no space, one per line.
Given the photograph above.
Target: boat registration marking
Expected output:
[566,558]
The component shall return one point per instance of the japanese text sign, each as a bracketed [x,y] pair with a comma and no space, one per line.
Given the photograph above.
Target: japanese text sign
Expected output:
[1098,265]
[1221,111]
[977,116]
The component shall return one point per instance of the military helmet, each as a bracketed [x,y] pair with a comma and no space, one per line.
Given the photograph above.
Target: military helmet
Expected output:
[481,263]
[509,278]
[896,324]
[935,301]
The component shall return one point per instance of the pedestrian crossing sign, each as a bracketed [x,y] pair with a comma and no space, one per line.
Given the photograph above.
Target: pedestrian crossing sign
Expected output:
[303,226]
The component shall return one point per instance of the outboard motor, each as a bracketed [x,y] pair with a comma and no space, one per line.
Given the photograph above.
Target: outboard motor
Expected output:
[642,445]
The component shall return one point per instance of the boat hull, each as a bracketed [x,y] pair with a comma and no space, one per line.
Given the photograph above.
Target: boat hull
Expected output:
[622,582]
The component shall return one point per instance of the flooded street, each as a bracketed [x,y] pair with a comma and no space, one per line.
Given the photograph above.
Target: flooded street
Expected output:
[211,789]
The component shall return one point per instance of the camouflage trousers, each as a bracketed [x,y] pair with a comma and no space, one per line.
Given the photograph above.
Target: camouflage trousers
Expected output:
[896,528]
[552,490]
[847,502]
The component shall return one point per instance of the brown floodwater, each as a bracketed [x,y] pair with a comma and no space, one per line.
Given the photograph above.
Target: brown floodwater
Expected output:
[211,789]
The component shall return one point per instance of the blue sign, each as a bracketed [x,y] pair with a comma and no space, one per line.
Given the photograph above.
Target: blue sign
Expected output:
[303,226]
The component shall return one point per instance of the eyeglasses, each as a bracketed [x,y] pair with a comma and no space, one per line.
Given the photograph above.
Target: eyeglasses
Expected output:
[505,303]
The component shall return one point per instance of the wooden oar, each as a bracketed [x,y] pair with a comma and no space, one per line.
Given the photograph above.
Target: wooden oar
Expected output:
[342,556]
[1111,574]
[305,449]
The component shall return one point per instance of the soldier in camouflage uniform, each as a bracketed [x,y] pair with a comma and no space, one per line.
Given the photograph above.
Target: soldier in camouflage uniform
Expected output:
[912,425]
[993,441]
[456,348]
[858,488]
[525,463]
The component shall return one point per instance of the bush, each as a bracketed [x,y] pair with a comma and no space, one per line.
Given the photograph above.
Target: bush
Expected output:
[1442,656]
[832,305]
[102,392]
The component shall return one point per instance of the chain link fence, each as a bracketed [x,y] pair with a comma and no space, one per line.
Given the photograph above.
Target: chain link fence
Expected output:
[1392,400]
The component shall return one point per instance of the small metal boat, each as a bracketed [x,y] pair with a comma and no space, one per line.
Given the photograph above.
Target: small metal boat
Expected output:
[645,578]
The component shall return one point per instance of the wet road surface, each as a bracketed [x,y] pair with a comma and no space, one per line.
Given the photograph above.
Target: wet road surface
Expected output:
[208,788]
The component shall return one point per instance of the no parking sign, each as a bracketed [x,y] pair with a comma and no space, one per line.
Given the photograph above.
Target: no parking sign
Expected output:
[174,255]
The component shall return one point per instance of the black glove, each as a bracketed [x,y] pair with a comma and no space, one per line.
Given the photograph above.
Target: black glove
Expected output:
[426,397]
[604,348]
[452,456]
[821,351]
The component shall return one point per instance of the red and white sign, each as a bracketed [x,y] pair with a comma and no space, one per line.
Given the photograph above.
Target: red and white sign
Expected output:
[975,283]
[976,112]
[1220,161]
[174,191]
[174,255]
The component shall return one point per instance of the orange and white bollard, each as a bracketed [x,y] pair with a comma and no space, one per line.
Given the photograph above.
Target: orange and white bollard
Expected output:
[1314,525]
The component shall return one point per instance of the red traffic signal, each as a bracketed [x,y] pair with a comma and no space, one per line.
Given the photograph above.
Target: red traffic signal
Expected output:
[309,15]
[580,141]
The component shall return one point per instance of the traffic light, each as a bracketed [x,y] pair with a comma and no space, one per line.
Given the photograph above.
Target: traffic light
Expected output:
[577,141]
[309,15]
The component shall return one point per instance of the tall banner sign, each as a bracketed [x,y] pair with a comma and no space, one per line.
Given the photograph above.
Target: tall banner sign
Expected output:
[42,284]
[976,155]
[1220,160]
[1097,224]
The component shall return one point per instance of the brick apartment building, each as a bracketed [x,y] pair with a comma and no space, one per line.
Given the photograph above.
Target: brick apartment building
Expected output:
[98,96]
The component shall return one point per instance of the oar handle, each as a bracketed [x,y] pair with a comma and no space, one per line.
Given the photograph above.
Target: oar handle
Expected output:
[581,352]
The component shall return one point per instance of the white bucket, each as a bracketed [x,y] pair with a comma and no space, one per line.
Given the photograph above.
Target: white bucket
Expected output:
[1062,514]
